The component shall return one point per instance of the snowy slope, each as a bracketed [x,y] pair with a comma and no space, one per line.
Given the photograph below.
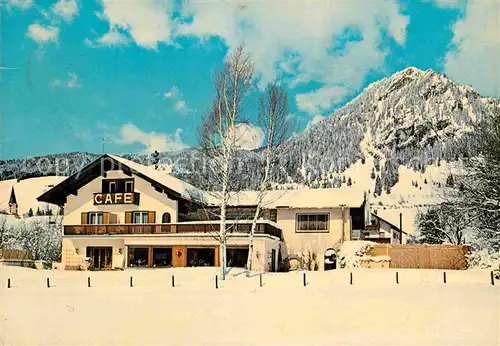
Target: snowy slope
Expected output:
[26,192]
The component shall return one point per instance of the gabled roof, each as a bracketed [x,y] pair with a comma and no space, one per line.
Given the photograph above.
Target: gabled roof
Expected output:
[173,187]
[12,199]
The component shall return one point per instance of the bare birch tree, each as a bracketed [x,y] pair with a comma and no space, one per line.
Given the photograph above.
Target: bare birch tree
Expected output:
[218,135]
[277,128]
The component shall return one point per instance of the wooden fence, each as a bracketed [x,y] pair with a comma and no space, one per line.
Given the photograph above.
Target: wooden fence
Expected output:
[438,256]
[9,254]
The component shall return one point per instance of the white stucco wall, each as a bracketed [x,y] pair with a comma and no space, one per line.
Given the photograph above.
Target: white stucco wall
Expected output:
[150,200]
[316,242]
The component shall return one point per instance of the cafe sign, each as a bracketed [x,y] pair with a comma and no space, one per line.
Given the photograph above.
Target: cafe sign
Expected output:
[116,198]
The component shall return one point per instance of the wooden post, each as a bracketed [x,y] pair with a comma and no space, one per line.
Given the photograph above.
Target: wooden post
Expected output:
[8,282]
[88,281]
[216,281]
[261,279]
[491,276]
[397,277]
[131,282]
[48,283]
[304,279]
[173,281]
[444,277]
[350,277]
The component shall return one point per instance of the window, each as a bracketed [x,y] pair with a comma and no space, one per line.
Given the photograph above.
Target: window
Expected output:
[95,218]
[166,218]
[312,222]
[140,217]
[129,186]
[117,185]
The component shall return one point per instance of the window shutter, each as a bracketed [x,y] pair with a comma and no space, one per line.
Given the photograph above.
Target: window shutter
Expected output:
[151,217]
[84,218]
[105,218]
[128,217]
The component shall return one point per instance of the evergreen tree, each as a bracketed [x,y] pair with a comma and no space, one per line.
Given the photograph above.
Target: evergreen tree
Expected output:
[349,182]
[30,212]
[425,181]
[38,212]
[372,175]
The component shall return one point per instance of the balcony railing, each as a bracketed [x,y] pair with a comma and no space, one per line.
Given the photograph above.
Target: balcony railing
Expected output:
[189,227]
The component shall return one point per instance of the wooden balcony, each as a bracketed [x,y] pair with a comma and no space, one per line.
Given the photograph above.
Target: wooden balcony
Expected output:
[187,228]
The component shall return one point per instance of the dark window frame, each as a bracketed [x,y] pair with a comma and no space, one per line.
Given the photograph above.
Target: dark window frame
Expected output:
[298,230]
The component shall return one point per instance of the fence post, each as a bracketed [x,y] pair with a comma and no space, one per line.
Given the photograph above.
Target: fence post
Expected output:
[491,276]
[131,282]
[173,281]
[260,279]
[397,277]
[216,281]
[88,281]
[8,282]
[444,277]
[48,283]
[350,280]
[304,279]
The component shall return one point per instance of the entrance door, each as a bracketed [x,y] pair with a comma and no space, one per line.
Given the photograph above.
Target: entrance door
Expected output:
[101,257]
[273,260]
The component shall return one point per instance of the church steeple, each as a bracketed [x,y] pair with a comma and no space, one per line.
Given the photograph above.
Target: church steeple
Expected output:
[13,202]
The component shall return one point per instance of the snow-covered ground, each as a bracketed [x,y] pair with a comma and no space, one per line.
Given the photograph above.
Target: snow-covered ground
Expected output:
[420,310]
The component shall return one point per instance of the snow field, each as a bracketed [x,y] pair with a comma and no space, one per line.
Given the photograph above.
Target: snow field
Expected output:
[421,310]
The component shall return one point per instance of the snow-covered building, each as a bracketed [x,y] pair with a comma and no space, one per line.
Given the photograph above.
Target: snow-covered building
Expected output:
[123,214]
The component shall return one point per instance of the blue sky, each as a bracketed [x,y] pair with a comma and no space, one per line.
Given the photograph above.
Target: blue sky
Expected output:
[138,73]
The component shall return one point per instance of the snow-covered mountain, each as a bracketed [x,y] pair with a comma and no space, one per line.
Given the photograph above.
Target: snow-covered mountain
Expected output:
[400,139]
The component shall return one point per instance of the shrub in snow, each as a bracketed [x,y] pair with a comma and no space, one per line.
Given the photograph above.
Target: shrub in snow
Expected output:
[483,258]
[352,252]
[310,261]
[40,236]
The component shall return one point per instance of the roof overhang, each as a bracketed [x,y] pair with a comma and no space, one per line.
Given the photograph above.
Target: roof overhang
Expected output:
[70,186]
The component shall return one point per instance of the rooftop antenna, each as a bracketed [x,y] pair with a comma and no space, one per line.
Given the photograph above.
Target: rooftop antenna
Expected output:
[103,142]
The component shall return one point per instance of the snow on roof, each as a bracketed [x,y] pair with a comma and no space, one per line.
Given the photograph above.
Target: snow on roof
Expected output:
[184,189]
[303,198]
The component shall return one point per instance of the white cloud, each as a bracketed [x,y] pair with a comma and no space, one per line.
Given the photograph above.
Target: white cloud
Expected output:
[449,3]
[474,56]
[130,134]
[147,21]
[20,4]
[321,99]
[112,38]
[66,9]
[42,34]
[296,38]
[247,136]
[316,119]
[73,81]
[180,104]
